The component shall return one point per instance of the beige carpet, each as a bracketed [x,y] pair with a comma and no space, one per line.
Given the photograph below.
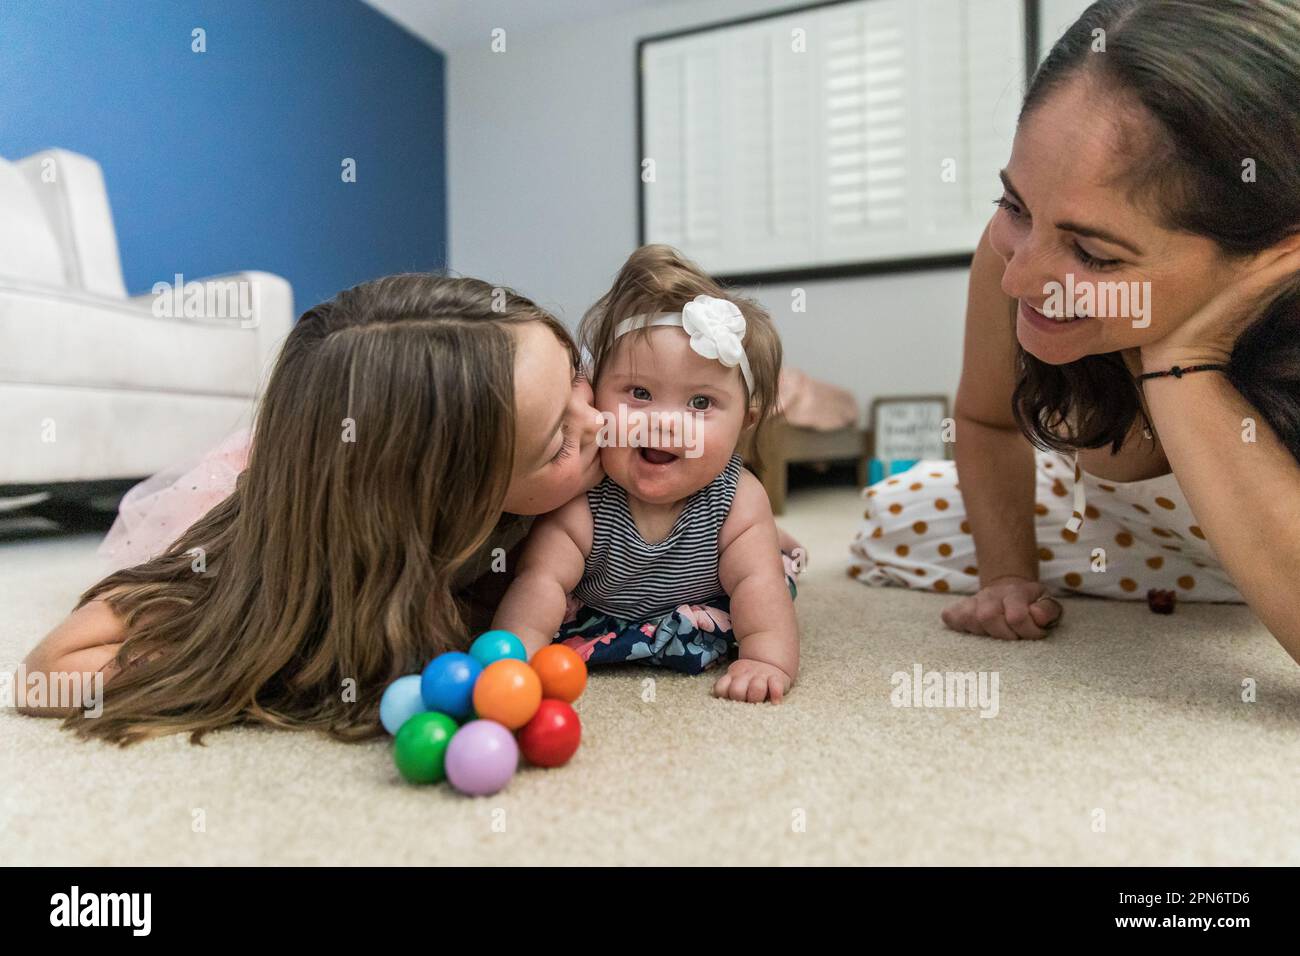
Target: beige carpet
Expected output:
[1121,713]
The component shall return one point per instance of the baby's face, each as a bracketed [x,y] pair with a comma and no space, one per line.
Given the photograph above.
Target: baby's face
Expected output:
[672,416]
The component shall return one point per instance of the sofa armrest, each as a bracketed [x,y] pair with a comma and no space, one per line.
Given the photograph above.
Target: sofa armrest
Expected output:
[70,188]
[258,301]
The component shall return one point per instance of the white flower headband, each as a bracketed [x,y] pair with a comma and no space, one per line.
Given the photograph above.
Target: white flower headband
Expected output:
[716,327]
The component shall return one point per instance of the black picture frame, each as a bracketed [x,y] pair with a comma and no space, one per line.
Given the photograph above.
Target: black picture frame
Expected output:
[806,273]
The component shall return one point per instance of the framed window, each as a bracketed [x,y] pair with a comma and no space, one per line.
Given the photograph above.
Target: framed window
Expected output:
[841,138]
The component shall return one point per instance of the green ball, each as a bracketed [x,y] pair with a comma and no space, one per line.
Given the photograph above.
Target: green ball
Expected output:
[421,745]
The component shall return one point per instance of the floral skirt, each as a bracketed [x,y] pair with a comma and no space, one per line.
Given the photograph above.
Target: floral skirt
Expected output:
[690,639]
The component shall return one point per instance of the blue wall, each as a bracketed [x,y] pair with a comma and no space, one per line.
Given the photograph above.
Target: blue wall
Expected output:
[230,159]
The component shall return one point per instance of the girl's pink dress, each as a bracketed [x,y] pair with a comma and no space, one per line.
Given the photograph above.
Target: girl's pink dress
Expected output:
[160,509]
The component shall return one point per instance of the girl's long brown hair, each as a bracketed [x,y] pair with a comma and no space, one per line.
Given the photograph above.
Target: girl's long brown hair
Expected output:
[382,451]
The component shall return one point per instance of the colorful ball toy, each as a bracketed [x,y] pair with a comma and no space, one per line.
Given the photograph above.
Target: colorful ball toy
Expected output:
[481,758]
[447,684]
[420,747]
[401,701]
[508,692]
[551,737]
[562,671]
[492,646]
[458,719]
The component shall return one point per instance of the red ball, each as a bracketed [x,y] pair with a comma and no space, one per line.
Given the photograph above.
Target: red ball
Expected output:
[551,737]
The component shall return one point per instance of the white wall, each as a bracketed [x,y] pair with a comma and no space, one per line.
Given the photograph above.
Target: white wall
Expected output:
[542,175]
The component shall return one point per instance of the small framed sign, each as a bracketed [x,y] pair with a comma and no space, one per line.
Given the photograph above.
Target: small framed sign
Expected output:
[906,429]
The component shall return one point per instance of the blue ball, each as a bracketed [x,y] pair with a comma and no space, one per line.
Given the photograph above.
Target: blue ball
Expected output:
[401,701]
[447,684]
[492,646]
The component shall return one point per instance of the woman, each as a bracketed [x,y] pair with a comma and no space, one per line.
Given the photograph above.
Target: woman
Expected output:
[1158,148]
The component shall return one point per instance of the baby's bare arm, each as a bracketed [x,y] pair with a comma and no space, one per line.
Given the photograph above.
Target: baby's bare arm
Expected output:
[550,566]
[751,570]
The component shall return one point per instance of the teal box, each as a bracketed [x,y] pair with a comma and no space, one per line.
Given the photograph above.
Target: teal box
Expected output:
[878,470]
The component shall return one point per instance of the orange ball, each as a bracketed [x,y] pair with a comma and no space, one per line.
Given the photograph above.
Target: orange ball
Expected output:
[509,692]
[562,671]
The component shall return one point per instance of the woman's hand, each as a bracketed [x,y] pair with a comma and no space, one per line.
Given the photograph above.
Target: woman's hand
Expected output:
[1208,337]
[1009,608]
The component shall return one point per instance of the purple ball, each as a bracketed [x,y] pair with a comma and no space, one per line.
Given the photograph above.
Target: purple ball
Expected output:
[481,758]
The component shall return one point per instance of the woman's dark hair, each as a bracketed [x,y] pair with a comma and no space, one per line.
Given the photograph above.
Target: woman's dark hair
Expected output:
[1222,80]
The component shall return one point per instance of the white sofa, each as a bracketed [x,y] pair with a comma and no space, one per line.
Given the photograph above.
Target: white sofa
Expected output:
[98,387]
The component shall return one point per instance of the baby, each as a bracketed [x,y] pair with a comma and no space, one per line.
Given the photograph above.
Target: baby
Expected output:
[679,535]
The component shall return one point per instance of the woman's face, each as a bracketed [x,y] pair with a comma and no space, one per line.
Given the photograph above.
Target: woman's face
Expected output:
[555,425]
[1078,248]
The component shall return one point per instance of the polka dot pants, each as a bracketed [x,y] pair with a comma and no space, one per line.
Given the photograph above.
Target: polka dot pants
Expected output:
[1135,536]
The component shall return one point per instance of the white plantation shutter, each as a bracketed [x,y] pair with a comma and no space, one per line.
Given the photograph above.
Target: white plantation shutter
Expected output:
[942,109]
[771,146]
[995,38]
[771,159]
[684,137]
[865,64]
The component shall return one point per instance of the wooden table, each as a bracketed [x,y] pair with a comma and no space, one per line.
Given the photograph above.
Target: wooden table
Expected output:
[782,444]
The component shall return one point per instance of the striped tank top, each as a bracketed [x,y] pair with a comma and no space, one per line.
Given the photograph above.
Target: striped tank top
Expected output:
[631,579]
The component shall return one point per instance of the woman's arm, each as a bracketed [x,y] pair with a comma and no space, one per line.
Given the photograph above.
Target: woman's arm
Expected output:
[995,462]
[1245,494]
[1241,482]
[995,465]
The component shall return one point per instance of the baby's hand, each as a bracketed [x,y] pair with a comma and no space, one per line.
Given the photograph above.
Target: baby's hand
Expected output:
[753,681]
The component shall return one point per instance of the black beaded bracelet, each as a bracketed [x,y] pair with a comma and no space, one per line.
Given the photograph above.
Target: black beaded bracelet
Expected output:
[1178,371]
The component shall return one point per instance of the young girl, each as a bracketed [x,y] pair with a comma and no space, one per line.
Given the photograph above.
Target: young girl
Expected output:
[403,420]
[676,549]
